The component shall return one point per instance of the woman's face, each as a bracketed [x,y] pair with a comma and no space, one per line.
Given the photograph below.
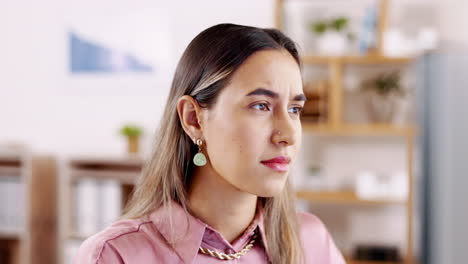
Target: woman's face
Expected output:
[256,119]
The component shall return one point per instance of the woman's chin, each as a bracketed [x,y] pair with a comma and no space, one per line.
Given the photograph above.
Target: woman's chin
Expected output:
[270,190]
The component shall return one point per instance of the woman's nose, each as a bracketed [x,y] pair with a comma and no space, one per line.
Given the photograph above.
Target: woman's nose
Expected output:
[285,131]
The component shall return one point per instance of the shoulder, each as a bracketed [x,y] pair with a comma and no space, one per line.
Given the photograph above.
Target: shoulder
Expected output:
[111,244]
[318,244]
[310,224]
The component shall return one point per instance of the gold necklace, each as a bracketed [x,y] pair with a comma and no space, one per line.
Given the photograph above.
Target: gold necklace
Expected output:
[224,256]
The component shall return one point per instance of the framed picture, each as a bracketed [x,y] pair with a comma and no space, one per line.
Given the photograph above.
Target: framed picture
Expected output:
[117,49]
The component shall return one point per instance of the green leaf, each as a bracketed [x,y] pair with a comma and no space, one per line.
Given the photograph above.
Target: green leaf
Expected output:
[131,130]
[339,23]
[319,27]
[385,84]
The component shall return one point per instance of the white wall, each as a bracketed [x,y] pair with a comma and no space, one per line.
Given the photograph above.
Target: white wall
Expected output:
[45,108]
[453,21]
[42,106]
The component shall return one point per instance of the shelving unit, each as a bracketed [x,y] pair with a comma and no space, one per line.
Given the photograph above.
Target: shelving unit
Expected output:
[35,242]
[343,197]
[349,261]
[125,170]
[14,244]
[360,129]
[335,125]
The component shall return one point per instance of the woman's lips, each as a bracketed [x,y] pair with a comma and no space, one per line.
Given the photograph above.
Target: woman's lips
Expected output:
[281,167]
[279,163]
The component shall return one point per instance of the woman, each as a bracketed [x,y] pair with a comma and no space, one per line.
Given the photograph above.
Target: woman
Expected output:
[216,189]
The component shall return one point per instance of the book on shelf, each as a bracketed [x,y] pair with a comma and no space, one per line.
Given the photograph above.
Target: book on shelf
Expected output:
[97,203]
[110,197]
[11,204]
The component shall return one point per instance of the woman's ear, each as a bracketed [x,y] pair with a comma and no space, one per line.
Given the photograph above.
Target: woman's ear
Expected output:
[190,116]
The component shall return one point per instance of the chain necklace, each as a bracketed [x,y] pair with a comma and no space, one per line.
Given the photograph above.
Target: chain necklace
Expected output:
[224,256]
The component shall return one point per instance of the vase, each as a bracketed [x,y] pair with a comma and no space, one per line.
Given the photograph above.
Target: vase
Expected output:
[381,108]
[332,43]
[133,144]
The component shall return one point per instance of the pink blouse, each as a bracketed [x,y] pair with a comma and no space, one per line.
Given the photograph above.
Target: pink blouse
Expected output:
[144,240]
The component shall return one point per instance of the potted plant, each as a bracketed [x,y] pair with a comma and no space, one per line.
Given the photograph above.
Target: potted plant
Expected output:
[132,133]
[332,36]
[383,92]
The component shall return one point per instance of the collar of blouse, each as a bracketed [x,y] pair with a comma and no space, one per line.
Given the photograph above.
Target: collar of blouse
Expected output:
[190,232]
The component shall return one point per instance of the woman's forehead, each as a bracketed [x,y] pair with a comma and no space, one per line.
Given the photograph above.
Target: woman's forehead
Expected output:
[272,69]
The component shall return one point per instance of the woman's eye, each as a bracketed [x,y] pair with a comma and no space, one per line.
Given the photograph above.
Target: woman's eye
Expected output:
[261,107]
[264,107]
[296,110]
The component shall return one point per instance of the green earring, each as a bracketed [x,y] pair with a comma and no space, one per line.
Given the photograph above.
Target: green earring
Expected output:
[199,159]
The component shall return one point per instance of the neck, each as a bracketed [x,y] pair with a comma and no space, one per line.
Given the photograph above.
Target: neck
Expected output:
[219,204]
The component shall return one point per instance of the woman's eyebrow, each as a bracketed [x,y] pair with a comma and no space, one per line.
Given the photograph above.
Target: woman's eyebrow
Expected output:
[274,95]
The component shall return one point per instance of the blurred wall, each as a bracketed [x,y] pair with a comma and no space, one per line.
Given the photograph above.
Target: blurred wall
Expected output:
[45,107]
[453,21]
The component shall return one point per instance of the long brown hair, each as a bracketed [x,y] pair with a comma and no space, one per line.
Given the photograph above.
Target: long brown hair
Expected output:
[204,69]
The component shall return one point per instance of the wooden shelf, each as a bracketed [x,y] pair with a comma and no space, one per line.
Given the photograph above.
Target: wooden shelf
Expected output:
[350,261]
[125,177]
[124,169]
[12,157]
[127,163]
[353,261]
[336,120]
[10,165]
[4,234]
[342,197]
[364,59]
[35,241]
[6,170]
[12,241]
[358,129]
